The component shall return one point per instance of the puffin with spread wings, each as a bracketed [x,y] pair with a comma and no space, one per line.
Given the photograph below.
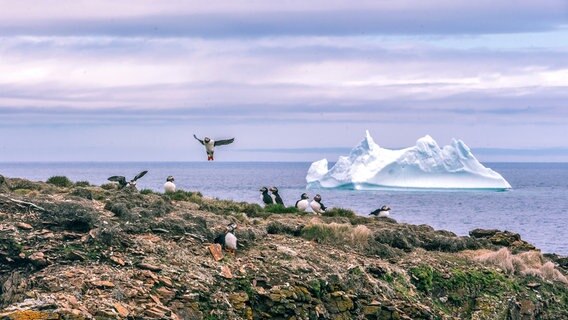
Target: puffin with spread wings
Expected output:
[210,145]
[122,180]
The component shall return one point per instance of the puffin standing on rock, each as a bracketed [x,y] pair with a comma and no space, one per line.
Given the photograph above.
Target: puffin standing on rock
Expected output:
[276,197]
[265,197]
[169,186]
[228,240]
[382,212]
[317,206]
[122,180]
[210,145]
[303,203]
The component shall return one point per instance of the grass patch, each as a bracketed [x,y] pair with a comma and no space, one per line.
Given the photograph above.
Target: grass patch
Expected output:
[181,195]
[339,212]
[529,263]
[82,184]
[227,207]
[109,186]
[60,181]
[337,233]
[70,216]
[83,193]
[277,227]
[17,183]
[146,191]
[131,206]
[278,208]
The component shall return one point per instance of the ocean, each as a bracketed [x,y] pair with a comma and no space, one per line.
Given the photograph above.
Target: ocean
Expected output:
[536,207]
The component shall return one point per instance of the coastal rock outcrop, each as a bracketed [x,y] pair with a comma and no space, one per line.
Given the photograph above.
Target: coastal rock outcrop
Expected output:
[503,238]
[115,254]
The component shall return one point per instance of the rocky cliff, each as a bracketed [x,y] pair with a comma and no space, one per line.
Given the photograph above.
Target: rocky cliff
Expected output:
[76,251]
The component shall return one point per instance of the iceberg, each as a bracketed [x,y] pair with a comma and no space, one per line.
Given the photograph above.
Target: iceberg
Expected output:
[423,166]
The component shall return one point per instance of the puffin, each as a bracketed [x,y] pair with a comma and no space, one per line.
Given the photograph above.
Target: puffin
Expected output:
[122,180]
[266,198]
[210,145]
[169,186]
[317,206]
[228,240]
[276,197]
[382,212]
[303,203]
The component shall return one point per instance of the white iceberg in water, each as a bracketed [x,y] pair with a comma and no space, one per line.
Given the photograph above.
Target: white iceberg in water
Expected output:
[426,165]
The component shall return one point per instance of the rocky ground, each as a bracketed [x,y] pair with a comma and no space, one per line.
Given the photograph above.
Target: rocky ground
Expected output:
[76,251]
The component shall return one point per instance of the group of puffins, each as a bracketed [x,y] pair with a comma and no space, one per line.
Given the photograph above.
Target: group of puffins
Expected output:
[302,205]
[227,239]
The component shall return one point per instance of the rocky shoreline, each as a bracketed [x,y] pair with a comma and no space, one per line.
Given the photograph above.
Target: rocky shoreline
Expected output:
[77,251]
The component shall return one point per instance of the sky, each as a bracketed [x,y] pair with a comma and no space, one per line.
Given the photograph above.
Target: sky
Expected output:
[133,80]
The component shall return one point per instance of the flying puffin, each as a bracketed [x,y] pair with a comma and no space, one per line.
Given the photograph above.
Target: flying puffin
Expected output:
[265,197]
[382,212]
[228,240]
[122,180]
[276,197]
[317,206]
[169,186]
[303,203]
[210,145]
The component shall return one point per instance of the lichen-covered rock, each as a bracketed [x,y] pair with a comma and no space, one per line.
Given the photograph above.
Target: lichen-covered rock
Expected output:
[503,238]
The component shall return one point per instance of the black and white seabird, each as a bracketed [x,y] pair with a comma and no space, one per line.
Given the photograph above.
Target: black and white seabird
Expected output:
[210,145]
[228,240]
[265,197]
[169,186]
[276,197]
[317,206]
[382,212]
[303,203]
[122,180]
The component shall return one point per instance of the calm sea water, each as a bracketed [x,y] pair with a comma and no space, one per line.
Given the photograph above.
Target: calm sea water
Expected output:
[537,207]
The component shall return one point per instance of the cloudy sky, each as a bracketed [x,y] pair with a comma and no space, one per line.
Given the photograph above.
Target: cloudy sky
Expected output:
[291,80]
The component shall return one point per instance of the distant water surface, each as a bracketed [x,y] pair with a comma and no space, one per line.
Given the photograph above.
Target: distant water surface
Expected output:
[537,207]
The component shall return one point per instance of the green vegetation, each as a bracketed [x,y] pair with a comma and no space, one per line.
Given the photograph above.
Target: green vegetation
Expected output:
[461,286]
[225,207]
[108,186]
[422,277]
[464,289]
[70,216]
[337,234]
[181,195]
[339,212]
[60,181]
[276,227]
[278,208]
[82,184]
[82,192]
[146,191]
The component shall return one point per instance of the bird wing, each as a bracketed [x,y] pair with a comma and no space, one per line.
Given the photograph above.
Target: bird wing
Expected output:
[119,179]
[223,142]
[220,239]
[200,141]
[140,175]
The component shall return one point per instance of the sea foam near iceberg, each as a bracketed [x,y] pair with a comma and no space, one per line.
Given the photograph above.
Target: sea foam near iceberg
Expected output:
[423,166]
